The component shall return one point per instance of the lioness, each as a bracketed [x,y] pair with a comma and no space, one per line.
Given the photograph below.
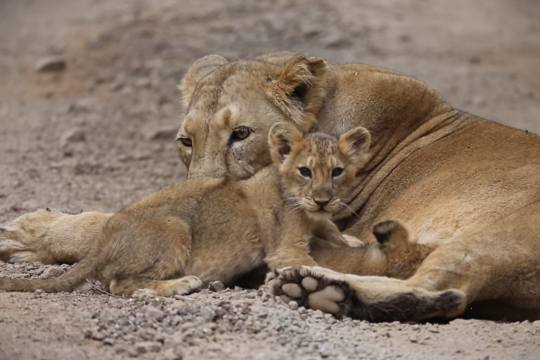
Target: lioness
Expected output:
[468,187]
[176,239]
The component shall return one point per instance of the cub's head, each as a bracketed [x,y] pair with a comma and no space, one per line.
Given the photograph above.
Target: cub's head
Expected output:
[230,106]
[317,171]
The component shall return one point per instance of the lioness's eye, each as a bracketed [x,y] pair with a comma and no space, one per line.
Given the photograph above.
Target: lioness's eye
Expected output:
[185,141]
[240,133]
[304,171]
[337,171]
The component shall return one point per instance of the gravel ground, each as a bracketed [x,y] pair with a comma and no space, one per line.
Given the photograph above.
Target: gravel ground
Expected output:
[88,108]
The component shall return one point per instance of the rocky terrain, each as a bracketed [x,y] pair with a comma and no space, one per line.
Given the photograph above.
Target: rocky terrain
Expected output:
[88,111]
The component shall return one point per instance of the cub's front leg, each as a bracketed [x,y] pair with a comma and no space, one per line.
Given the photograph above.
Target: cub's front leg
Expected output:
[328,231]
[291,249]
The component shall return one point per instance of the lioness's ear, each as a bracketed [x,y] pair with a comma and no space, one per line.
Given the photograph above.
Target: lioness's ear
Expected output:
[196,72]
[355,142]
[299,89]
[282,138]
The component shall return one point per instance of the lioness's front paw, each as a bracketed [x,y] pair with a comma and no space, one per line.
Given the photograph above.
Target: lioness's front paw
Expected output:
[313,287]
[368,298]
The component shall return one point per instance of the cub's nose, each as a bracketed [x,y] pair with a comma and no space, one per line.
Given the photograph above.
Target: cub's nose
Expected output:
[321,203]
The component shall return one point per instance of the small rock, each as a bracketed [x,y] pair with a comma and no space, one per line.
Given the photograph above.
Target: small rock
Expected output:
[293,305]
[173,354]
[334,41]
[208,314]
[216,286]
[147,334]
[143,82]
[51,64]
[475,60]
[117,85]
[325,350]
[404,38]
[108,341]
[143,294]
[72,136]
[52,272]
[147,346]
[31,204]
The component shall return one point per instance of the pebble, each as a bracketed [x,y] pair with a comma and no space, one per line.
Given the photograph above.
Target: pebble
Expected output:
[72,136]
[148,346]
[334,41]
[52,272]
[51,64]
[293,305]
[173,354]
[216,286]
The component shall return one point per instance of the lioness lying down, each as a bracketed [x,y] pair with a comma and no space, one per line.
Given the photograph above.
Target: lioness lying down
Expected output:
[173,241]
[467,187]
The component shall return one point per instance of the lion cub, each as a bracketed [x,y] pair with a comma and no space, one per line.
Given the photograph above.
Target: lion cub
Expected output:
[207,229]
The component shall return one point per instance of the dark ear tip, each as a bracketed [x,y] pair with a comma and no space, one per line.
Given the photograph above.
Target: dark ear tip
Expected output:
[383,230]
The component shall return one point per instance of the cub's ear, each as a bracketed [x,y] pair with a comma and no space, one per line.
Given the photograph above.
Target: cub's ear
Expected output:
[196,72]
[355,143]
[282,139]
[299,89]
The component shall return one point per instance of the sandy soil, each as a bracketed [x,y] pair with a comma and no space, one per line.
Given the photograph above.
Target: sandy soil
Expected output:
[98,136]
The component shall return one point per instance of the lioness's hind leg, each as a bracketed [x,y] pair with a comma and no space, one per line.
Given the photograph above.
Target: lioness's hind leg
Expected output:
[363,297]
[180,286]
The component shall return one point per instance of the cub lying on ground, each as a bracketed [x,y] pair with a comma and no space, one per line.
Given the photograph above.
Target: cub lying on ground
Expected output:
[213,229]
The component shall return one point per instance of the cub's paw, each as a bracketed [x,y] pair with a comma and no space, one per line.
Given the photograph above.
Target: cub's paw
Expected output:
[9,244]
[186,285]
[312,287]
[21,239]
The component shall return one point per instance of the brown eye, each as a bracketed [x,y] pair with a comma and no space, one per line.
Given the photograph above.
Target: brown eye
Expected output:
[337,171]
[240,133]
[185,141]
[304,171]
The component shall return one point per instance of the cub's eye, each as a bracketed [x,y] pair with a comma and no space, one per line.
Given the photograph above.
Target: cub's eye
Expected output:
[185,141]
[240,133]
[304,171]
[337,171]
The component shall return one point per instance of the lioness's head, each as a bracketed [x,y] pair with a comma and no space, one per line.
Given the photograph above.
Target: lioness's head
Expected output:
[318,170]
[230,107]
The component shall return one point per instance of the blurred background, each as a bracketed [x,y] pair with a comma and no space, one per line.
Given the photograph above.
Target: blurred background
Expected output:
[88,98]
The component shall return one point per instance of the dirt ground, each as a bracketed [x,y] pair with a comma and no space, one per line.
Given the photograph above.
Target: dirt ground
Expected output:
[98,135]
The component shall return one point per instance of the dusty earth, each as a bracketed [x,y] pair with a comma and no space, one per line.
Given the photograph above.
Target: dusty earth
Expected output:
[98,135]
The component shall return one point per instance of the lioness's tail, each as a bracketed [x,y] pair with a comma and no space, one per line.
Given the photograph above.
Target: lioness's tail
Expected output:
[65,282]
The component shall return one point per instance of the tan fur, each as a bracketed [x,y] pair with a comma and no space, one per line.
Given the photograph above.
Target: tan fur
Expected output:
[173,241]
[467,187]
[392,253]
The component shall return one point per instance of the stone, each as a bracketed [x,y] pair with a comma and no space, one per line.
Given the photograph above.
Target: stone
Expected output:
[51,64]
[147,347]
